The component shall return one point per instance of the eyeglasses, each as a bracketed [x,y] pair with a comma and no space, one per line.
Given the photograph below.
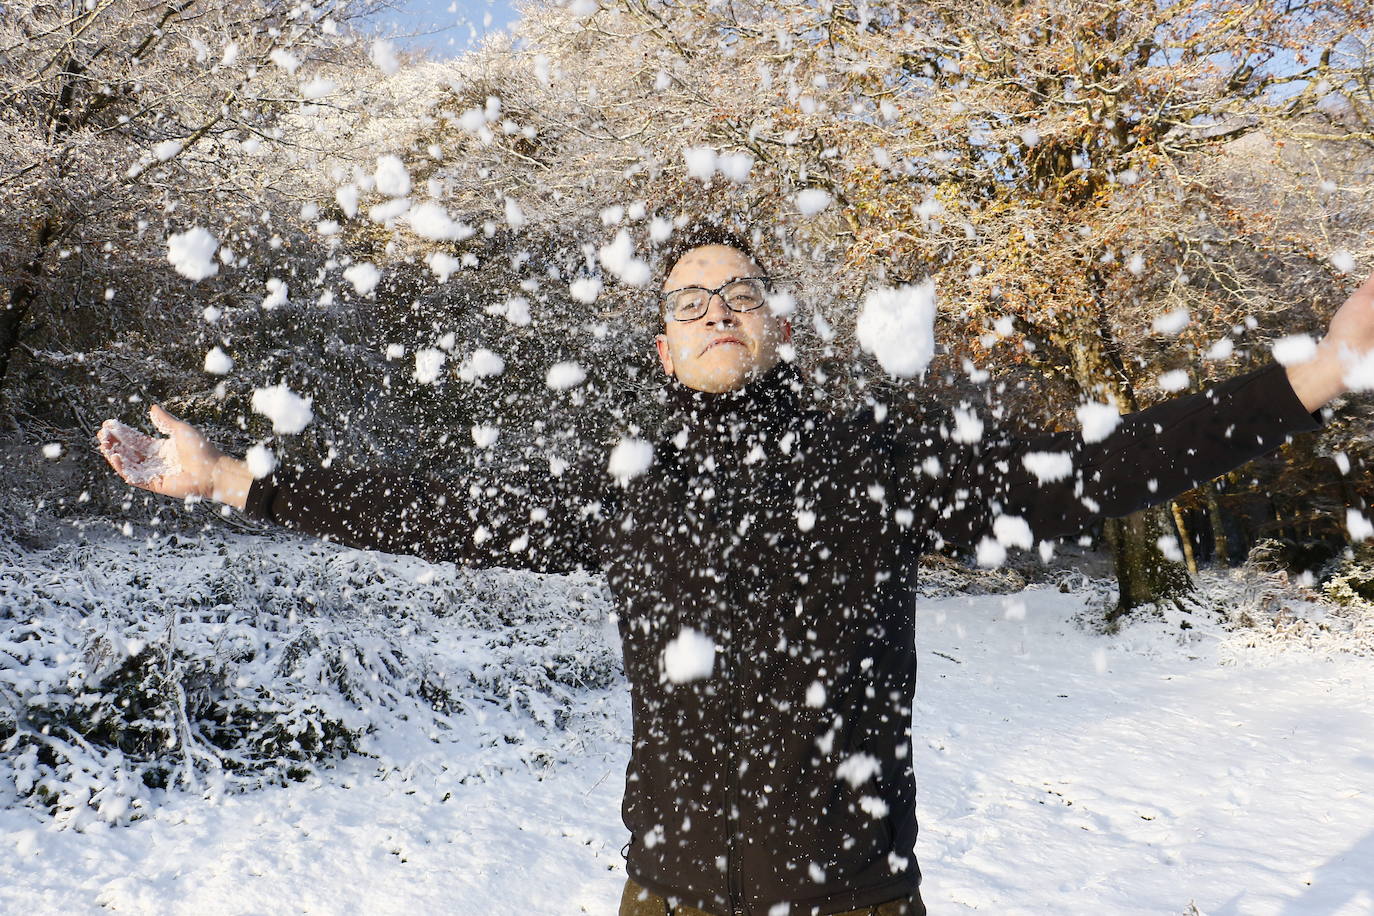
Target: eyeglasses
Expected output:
[742,294]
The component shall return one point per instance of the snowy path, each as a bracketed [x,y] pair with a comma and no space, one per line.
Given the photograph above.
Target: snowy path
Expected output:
[1060,772]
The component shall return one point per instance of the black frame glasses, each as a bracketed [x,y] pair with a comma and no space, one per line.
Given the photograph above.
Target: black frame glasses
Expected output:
[668,306]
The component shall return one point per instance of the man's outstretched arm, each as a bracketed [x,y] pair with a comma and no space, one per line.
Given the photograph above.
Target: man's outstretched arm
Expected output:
[1061,484]
[525,520]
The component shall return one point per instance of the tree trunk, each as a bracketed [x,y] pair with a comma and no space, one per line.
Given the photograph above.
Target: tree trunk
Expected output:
[1184,539]
[1144,575]
[1219,540]
[21,298]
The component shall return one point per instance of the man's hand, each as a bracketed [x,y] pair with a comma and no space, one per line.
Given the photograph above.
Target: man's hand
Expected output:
[182,465]
[1350,337]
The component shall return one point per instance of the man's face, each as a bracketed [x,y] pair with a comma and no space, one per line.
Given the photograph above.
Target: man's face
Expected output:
[723,349]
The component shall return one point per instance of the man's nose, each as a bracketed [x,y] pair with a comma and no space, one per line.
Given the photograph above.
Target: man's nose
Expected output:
[718,313]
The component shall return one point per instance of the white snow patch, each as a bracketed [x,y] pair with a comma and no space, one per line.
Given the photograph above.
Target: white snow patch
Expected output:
[858,769]
[1098,420]
[383,54]
[1343,261]
[485,435]
[585,289]
[1171,322]
[897,326]
[701,162]
[391,176]
[1294,349]
[429,362]
[630,458]
[217,362]
[515,216]
[1174,380]
[689,657]
[619,258]
[166,150]
[812,201]
[1048,466]
[364,276]
[1358,525]
[968,426]
[735,166]
[990,553]
[483,363]
[276,294]
[1168,545]
[192,253]
[815,695]
[430,220]
[260,459]
[1013,531]
[565,375]
[442,265]
[289,412]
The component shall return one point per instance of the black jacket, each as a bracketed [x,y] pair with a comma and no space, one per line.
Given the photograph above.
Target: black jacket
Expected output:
[790,539]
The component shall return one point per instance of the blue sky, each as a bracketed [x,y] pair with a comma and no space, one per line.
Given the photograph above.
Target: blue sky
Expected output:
[447,27]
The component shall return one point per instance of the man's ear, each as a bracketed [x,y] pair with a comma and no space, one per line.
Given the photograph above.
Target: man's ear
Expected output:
[664,357]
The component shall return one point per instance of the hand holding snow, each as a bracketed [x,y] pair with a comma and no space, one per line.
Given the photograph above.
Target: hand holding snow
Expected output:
[897,326]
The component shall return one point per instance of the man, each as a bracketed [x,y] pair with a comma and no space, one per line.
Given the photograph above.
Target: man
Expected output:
[764,564]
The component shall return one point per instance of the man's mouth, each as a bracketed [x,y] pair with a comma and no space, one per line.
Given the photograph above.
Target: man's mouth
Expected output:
[725,340]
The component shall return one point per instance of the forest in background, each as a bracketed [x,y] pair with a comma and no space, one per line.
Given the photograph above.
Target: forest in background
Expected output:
[1117,204]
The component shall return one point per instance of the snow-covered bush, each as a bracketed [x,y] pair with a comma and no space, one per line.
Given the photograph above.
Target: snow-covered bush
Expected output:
[132,667]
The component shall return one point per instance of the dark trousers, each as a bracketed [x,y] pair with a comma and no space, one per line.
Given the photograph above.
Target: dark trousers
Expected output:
[636,901]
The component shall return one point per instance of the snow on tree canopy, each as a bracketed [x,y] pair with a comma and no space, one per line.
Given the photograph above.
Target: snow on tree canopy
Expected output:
[391,176]
[431,221]
[289,412]
[689,657]
[217,362]
[428,364]
[1098,420]
[1294,349]
[811,201]
[364,276]
[897,326]
[565,375]
[630,458]
[192,253]
[619,258]
[1048,466]
[858,769]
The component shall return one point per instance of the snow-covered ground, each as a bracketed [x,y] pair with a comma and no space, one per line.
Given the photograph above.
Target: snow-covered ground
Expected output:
[1061,771]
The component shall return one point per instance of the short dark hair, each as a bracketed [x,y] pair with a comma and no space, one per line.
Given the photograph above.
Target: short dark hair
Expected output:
[695,235]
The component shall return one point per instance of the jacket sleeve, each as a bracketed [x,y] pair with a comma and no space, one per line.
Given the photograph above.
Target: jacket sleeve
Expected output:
[523,519]
[1060,484]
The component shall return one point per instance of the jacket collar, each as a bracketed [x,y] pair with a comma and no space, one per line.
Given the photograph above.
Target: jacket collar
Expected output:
[767,400]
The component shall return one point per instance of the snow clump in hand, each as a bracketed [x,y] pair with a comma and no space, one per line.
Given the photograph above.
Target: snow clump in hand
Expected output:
[689,657]
[289,412]
[142,458]
[897,326]
[629,459]
[191,253]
